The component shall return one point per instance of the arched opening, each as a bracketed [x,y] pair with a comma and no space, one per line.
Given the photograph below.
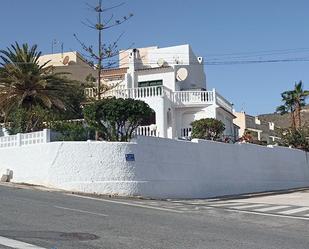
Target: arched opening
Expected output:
[150,120]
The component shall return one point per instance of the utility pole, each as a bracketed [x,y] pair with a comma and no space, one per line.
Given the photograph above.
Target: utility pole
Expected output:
[54,43]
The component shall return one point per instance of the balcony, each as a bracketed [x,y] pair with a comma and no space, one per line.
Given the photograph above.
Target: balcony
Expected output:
[192,98]
[150,130]
[179,98]
[133,93]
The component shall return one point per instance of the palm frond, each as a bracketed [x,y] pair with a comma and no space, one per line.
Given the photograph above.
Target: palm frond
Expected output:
[25,83]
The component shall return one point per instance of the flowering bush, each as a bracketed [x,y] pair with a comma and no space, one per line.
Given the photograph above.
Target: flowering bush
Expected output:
[207,128]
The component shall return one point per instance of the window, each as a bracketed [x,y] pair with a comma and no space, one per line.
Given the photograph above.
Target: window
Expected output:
[150,83]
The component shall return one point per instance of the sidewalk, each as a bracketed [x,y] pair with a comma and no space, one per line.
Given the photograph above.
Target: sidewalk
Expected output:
[298,198]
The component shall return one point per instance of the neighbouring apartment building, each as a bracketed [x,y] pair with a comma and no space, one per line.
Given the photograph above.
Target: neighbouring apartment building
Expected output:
[69,62]
[172,82]
[262,131]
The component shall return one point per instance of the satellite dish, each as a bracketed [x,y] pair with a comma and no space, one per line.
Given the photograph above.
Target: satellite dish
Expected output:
[161,62]
[181,74]
[66,60]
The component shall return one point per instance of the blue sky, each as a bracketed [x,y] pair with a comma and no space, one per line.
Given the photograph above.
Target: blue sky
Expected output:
[214,28]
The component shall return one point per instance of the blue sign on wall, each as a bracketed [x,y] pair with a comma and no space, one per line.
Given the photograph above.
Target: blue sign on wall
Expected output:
[130,157]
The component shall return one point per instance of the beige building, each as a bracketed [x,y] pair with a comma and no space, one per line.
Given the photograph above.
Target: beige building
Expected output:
[262,131]
[69,62]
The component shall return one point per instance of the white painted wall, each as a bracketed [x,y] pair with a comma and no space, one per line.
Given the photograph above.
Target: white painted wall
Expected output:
[170,55]
[185,116]
[162,167]
[82,166]
[227,119]
[159,105]
[165,74]
[196,77]
[186,58]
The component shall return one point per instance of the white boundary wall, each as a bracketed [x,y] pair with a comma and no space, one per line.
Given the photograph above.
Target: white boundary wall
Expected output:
[22,139]
[163,168]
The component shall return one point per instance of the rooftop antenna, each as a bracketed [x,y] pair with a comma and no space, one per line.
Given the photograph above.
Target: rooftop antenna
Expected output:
[54,43]
[61,49]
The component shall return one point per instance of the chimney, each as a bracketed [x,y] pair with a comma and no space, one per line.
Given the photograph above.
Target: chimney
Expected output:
[134,59]
[133,65]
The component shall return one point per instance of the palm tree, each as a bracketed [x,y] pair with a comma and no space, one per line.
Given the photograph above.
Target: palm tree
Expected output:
[26,84]
[293,101]
[288,106]
[299,96]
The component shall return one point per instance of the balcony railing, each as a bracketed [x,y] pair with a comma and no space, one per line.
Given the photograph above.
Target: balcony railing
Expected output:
[179,98]
[186,132]
[193,97]
[150,130]
[134,93]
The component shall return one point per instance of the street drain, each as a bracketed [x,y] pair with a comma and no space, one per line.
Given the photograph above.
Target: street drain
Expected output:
[48,235]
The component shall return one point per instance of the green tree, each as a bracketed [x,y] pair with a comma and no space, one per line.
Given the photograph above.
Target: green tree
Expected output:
[72,130]
[97,55]
[21,120]
[288,106]
[297,138]
[299,96]
[26,85]
[116,119]
[90,80]
[293,101]
[207,128]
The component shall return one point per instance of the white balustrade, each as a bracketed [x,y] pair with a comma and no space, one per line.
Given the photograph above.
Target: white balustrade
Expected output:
[22,139]
[193,97]
[150,130]
[134,93]
[186,132]
[179,98]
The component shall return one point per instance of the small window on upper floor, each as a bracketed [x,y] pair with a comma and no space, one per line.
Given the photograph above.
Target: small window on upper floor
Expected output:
[150,83]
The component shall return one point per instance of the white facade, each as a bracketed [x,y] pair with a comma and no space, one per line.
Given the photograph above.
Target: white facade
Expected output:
[172,82]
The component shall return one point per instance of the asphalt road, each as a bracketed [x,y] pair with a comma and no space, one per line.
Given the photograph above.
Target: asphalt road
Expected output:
[32,219]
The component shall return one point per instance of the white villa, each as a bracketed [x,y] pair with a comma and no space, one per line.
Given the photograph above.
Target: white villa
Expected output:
[172,82]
